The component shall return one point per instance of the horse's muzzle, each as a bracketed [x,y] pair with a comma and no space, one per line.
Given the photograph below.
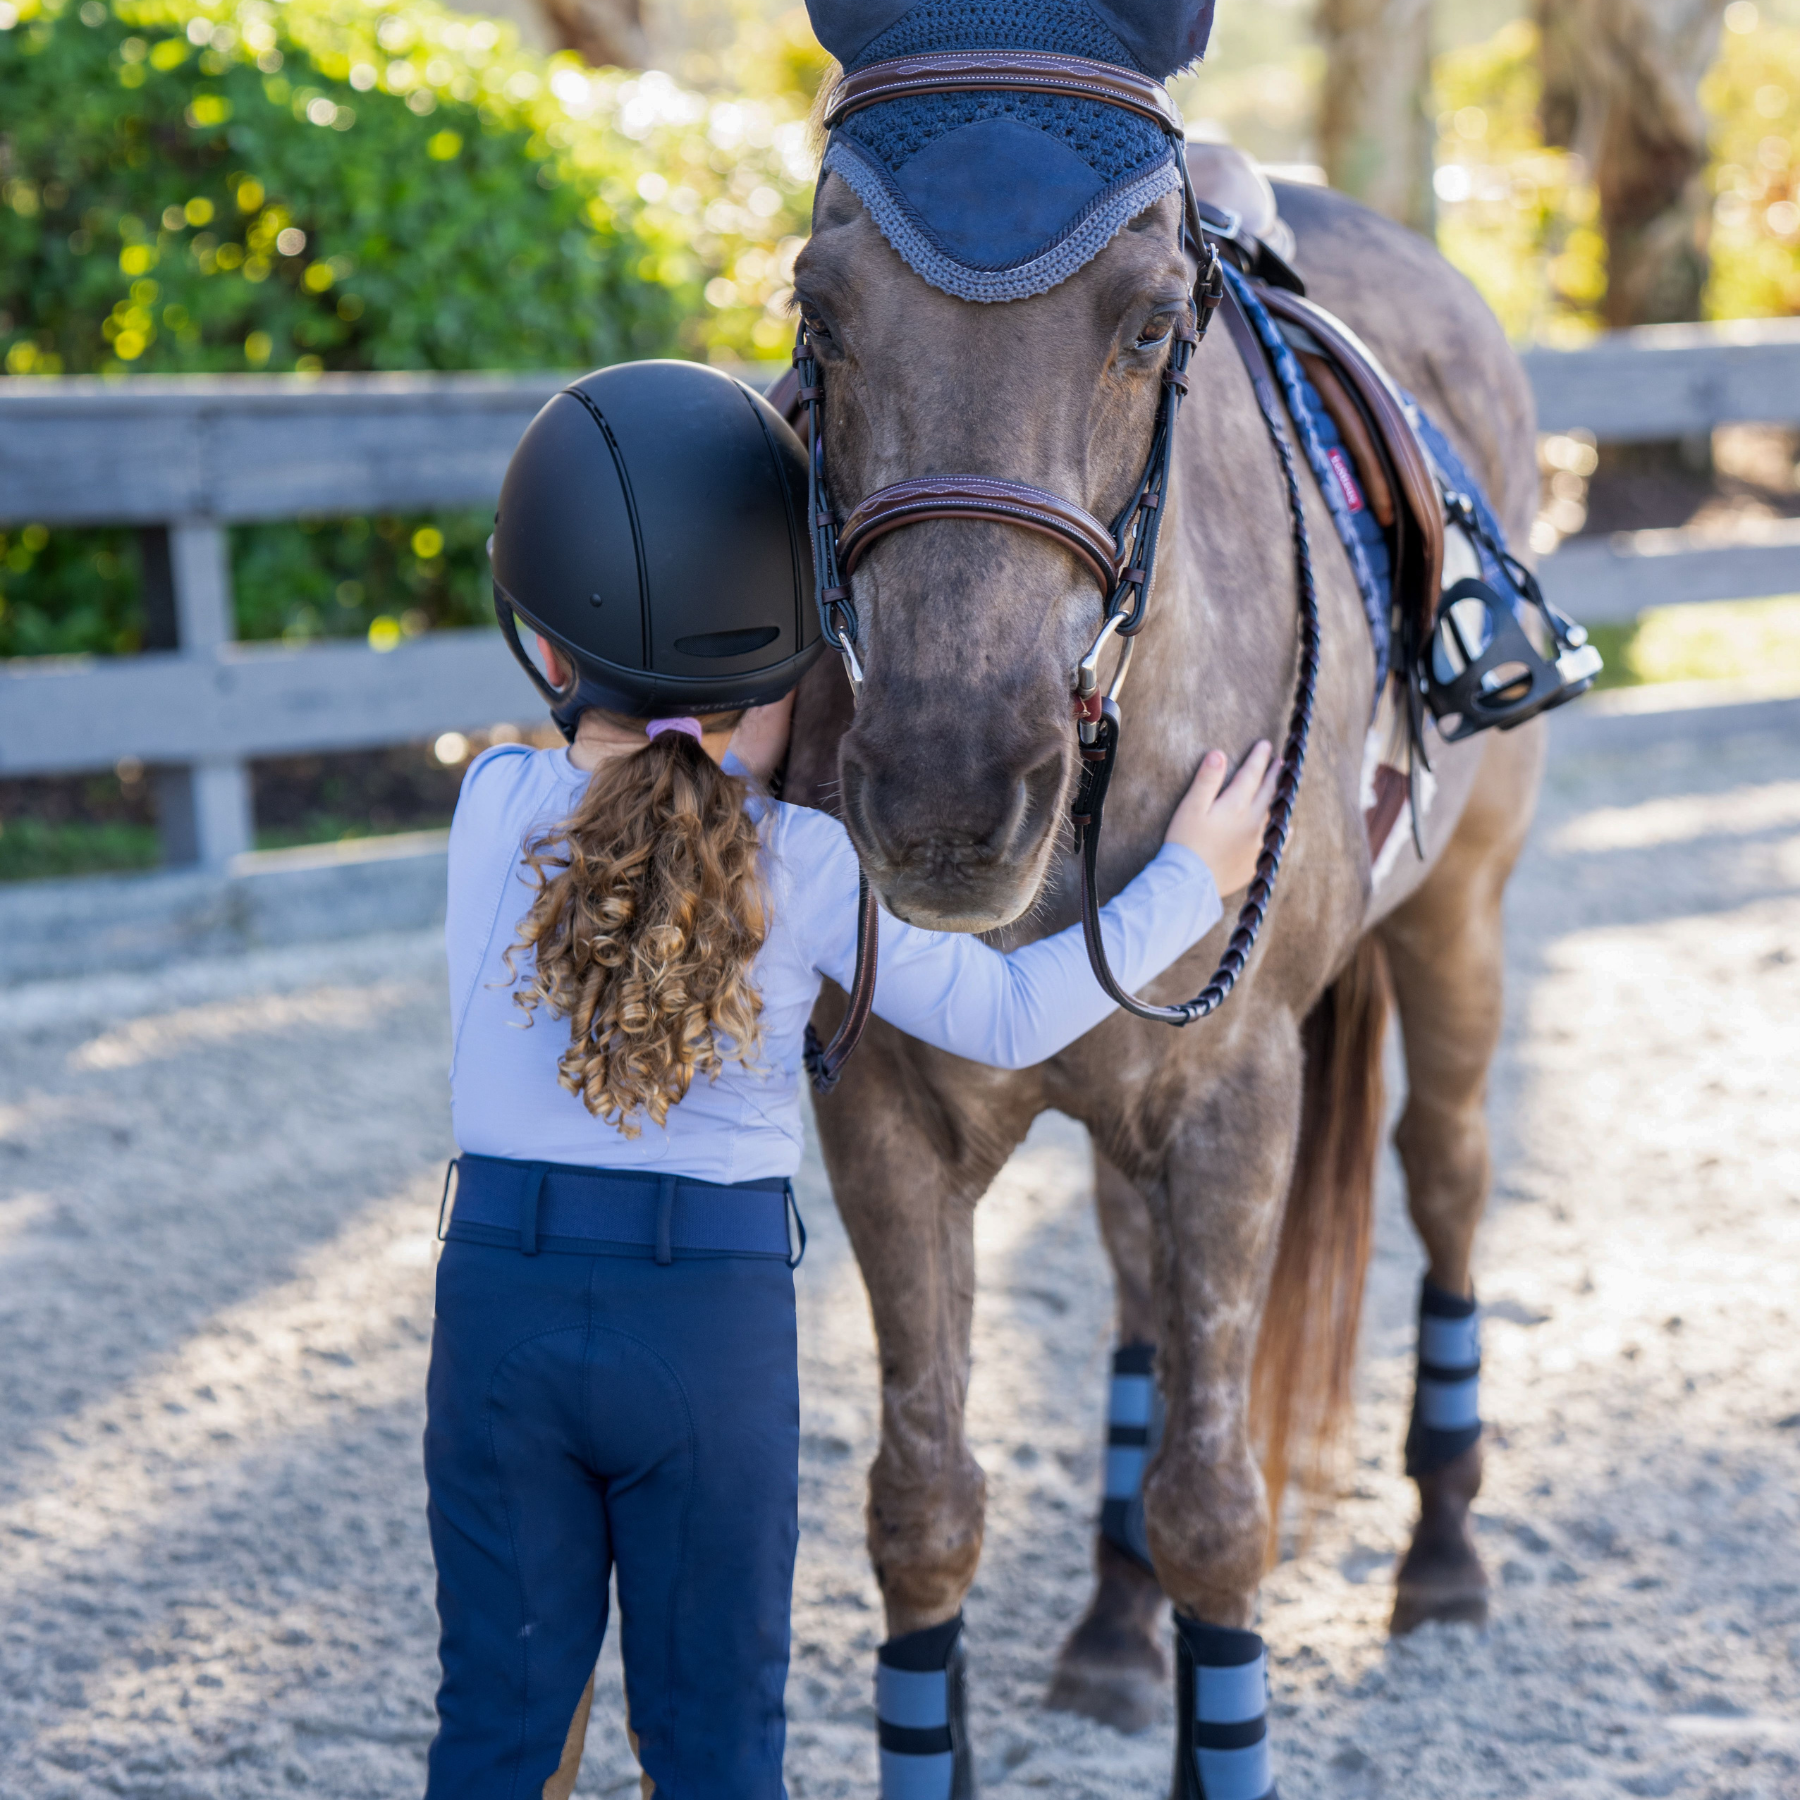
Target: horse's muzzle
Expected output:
[952,855]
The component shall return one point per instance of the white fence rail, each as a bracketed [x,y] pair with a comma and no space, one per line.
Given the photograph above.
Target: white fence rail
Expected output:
[184,459]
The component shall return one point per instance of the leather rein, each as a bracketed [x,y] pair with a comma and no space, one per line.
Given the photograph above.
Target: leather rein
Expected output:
[1121,558]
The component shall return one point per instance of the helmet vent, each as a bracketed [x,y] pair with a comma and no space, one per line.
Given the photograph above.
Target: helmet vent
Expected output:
[728,643]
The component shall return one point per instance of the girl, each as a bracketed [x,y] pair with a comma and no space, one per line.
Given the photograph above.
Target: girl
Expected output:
[637,935]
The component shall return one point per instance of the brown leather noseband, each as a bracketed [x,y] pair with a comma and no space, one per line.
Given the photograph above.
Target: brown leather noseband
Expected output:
[979,497]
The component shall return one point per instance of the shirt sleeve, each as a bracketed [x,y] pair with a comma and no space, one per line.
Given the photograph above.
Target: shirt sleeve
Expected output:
[1009,1010]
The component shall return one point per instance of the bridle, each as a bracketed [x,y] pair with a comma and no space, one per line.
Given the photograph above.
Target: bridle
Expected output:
[1121,557]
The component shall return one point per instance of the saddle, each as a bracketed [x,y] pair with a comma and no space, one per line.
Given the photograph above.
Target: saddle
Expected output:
[1392,473]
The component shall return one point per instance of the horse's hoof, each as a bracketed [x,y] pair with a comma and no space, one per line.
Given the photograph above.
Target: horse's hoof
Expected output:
[1113,1668]
[1417,1604]
[1129,1700]
[1441,1580]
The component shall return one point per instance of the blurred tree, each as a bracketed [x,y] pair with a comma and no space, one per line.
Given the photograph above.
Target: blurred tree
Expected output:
[1622,89]
[1375,132]
[606,33]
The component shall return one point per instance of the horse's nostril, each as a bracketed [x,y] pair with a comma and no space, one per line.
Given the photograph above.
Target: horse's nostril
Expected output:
[859,815]
[971,823]
[1043,786]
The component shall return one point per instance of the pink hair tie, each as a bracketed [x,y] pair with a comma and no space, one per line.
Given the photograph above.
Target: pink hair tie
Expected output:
[657,726]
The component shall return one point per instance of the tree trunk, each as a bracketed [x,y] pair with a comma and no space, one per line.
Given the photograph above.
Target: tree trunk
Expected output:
[1375,126]
[1622,88]
[605,33]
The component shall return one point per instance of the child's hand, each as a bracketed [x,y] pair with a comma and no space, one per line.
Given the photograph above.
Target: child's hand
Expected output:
[761,740]
[1225,829]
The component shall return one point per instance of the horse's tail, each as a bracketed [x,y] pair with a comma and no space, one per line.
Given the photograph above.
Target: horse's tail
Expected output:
[1306,1356]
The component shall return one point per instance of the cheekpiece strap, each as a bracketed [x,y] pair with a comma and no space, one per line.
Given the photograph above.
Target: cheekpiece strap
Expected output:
[1017,71]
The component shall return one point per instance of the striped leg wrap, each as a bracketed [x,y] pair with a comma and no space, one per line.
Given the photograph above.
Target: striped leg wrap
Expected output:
[921,1706]
[1134,1425]
[1446,1414]
[1222,1708]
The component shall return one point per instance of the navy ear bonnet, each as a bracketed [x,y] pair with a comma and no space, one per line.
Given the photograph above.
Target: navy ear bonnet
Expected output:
[999,196]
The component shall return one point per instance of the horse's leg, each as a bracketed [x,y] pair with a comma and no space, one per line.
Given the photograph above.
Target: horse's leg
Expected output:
[1262,1205]
[1216,1201]
[1445,950]
[1112,1668]
[912,1139]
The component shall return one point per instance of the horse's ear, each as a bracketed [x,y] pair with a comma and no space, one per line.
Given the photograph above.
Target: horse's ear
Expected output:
[844,27]
[1164,37]
[823,709]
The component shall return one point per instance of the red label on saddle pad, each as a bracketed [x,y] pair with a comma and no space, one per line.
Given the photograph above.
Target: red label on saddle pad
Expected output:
[1346,478]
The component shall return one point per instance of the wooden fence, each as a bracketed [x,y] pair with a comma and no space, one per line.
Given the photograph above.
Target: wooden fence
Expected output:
[184,459]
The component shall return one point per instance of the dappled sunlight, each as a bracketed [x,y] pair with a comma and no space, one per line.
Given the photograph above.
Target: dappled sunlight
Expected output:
[37,1111]
[1681,818]
[169,1034]
[19,1213]
[282,1361]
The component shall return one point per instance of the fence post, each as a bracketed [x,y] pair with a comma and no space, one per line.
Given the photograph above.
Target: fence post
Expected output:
[203,809]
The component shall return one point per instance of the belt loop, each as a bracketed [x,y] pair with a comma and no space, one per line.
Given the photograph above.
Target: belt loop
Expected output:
[528,1210]
[795,1257]
[450,1168]
[665,1219]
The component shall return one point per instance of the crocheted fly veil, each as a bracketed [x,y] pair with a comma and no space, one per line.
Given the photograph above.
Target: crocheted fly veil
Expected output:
[997,196]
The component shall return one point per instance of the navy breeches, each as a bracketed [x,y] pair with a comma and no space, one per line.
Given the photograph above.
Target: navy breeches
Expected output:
[593,1409]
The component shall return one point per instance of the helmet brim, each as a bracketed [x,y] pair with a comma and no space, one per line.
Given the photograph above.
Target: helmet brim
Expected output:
[642,693]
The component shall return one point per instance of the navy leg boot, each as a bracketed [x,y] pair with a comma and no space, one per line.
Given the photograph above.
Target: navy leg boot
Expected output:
[1134,1427]
[922,1706]
[1221,1714]
[1441,1578]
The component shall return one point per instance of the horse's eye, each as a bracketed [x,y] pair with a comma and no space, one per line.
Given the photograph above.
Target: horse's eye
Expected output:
[814,321]
[1156,332]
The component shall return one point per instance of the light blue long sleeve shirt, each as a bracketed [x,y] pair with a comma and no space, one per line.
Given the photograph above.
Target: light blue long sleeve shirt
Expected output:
[947,988]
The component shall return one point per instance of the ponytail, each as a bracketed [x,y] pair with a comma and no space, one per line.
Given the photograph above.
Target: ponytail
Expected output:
[649,910]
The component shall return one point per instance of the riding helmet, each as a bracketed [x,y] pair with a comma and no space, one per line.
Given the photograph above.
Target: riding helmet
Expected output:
[652,528]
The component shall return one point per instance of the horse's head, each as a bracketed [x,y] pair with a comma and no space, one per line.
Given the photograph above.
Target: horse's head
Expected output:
[956,771]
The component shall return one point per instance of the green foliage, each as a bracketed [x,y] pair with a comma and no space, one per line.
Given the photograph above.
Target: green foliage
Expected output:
[36,849]
[328,184]
[1521,220]
[65,592]
[1752,95]
[1517,217]
[173,205]
[385,578]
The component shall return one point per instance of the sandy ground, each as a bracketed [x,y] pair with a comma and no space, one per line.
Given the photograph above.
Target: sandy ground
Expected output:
[217,1191]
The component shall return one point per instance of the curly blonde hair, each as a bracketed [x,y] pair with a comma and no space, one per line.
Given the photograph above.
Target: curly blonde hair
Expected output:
[649,911]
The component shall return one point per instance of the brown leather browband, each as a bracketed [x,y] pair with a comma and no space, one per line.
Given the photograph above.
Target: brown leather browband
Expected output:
[980,497]
[1034,72]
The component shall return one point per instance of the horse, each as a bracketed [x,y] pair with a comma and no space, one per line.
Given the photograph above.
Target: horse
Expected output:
[1234,1159]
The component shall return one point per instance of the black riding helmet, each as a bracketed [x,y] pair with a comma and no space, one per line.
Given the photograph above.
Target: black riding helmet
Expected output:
[652,527]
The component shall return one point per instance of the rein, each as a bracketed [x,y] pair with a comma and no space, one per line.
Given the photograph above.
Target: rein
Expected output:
[1122,557]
